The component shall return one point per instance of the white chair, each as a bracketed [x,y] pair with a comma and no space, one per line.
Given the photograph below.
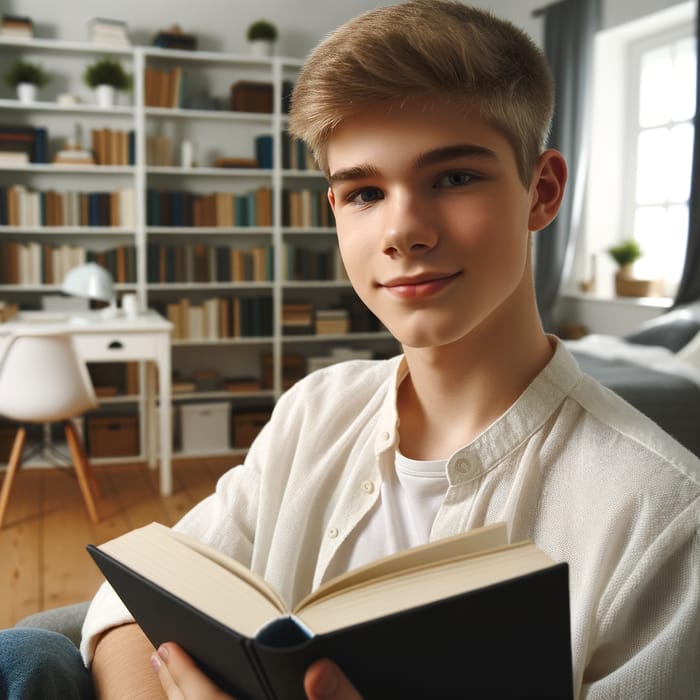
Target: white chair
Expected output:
[42,380]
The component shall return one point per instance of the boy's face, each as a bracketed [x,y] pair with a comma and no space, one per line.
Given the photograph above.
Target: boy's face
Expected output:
[432,219]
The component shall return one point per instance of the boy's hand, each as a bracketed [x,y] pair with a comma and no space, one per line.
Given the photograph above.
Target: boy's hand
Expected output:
[181,679]
[325,681]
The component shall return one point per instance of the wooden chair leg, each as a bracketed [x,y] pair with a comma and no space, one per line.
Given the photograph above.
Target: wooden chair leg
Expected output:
[12,467]
[83,470]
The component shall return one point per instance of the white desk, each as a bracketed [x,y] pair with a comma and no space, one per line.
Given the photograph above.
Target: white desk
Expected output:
[101,339]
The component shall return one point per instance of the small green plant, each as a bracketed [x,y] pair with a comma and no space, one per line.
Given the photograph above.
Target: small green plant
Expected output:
[107,71]
[626,252]
[262,29]
[26,72]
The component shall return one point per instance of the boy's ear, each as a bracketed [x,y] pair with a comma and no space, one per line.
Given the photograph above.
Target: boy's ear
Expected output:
[547,189]
[331,198]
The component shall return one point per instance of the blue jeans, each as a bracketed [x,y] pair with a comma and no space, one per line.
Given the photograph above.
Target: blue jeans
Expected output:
[37,664]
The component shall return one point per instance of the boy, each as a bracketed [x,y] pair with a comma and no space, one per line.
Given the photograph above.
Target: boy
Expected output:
[429,120]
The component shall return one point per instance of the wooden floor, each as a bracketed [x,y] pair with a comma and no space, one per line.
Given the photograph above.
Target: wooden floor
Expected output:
[43,562]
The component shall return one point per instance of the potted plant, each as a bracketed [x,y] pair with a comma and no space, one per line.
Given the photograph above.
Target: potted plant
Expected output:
[26,77]
[262,35]
[625,254]
[106,76]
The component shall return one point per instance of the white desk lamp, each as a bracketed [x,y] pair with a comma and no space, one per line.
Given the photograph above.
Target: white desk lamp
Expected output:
[92,281]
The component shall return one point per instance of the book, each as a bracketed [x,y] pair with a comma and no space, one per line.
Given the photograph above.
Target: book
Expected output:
[469,614]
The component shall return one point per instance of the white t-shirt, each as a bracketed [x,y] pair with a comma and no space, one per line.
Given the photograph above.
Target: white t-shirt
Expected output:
[409,499]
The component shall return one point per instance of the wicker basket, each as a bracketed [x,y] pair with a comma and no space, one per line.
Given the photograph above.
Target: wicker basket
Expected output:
[626,286]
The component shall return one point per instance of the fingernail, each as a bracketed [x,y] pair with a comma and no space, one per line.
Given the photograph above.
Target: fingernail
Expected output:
[327,681]
[163,652]
[155,662]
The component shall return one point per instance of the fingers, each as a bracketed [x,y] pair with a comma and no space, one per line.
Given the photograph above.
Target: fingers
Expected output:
[180,677]
[325,681]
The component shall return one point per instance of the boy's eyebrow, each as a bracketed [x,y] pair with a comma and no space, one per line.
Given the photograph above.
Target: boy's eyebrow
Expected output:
[432,157]
[459,150]
[356,172]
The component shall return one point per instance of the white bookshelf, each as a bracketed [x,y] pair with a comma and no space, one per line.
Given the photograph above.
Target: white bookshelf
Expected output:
[214,132]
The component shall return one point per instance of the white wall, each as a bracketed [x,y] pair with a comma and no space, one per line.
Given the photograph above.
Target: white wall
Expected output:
[220,24]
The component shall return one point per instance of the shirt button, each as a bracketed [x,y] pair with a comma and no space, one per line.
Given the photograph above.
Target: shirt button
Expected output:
[332,532]
[367,486]
[462,466]
[385,435]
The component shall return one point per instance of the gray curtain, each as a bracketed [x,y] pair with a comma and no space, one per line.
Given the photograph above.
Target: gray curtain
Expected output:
[569,30]
[689,288]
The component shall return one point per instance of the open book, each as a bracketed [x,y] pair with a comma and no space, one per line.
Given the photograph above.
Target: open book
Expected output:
[469,615]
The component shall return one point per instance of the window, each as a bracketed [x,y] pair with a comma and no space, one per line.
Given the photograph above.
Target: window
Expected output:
[640,149]
[661,147]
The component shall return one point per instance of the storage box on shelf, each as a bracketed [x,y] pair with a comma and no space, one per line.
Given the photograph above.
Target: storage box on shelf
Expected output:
[205,427]
[113,435]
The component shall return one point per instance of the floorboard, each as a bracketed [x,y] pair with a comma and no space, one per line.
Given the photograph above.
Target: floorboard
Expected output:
[43,562]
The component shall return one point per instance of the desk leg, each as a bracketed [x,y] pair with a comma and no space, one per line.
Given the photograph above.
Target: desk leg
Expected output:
[166,438]
[151,414]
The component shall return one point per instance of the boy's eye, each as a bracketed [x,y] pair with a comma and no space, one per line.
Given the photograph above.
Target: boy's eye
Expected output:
[366,195]
[454,179]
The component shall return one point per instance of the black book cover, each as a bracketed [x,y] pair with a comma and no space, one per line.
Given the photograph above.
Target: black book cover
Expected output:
[508,640]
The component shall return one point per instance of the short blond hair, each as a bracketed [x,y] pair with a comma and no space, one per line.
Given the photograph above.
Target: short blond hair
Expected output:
[435,48]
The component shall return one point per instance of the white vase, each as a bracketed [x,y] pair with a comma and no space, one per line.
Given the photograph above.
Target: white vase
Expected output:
[26,92]
[261,47]
[105,96]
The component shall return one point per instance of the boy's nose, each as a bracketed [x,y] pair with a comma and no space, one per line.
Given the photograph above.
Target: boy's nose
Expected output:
[409,228]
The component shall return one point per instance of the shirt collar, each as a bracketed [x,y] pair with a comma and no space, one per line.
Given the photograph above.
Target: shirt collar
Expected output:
[530,411]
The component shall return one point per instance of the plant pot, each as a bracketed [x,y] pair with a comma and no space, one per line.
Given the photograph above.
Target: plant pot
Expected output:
[261,47]
[105,95]
[26,92]
[626,285]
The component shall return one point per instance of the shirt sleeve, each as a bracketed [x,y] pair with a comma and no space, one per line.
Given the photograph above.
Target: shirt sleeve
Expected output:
[224,520]
[648,641]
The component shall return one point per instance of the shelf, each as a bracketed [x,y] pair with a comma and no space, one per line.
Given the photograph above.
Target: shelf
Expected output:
[208,230]
[209,395]
[55,288]
[337,337]
[69,169]
[256,173]
[208,114]
[67,230]
[58,108]
[316,284]
[241,340]
[209,286]
[59,46]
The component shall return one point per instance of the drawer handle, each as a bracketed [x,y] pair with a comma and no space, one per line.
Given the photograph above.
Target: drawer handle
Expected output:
[116,345]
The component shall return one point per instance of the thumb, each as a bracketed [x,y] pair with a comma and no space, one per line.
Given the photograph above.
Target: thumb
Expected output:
[325,681]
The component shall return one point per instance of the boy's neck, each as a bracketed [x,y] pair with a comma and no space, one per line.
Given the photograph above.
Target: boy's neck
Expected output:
[453,393]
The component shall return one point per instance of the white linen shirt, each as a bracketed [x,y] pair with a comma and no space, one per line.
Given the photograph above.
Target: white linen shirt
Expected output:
[570,465]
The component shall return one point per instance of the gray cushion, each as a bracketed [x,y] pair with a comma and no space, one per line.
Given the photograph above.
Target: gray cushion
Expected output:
[671,333]
[67,620]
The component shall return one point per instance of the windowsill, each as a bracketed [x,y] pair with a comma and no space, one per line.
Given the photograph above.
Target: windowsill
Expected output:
[656,302]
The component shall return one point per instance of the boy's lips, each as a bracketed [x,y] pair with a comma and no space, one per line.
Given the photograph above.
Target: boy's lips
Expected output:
[419,286]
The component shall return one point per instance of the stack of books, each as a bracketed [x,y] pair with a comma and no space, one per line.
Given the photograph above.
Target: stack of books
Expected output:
[332,321]
[336,355]
[251,96]
[7,311]
[175,38]
[297,319]
[15,27]
[22,144]
[163,88]
[112,32]
[73,154]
